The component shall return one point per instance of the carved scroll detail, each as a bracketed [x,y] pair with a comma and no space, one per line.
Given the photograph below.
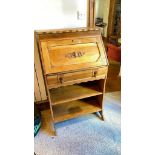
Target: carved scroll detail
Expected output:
[74,54]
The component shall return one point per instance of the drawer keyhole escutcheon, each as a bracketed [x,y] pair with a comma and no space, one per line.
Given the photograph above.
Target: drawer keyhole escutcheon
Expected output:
[95,73]
[61,80]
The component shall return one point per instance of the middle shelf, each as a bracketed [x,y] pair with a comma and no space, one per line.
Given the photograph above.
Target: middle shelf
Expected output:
[74,92]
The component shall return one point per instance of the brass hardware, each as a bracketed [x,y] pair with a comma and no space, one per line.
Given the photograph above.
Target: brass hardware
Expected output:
[74,54]
[61,80]
[95,73]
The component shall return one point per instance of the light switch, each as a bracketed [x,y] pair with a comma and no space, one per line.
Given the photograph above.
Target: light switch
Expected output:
[81,15]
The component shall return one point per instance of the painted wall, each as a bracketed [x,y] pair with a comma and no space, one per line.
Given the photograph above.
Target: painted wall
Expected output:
[102,10]
[54,14]
[99,8]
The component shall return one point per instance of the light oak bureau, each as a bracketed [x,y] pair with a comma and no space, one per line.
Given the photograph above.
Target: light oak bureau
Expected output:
[75,69]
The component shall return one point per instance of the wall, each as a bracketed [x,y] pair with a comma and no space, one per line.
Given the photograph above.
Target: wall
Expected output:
[54,14]
[106,6]
[99,8]
[102,10]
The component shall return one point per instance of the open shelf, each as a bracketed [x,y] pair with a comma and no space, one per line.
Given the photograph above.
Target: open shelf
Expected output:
[74,109]
[74,92]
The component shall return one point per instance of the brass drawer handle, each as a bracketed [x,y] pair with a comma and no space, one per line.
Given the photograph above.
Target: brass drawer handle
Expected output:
[95,73]
[61,80]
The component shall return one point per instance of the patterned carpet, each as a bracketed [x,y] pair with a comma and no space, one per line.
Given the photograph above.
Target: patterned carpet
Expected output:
[87,135]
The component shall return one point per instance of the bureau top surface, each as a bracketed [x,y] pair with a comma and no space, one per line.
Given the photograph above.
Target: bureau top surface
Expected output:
[67,33]
[66,50]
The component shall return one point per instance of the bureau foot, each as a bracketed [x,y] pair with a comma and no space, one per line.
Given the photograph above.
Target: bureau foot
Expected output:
[101,114]
[53,131]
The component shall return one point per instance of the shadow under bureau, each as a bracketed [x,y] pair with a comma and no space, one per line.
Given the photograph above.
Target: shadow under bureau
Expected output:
[75,69]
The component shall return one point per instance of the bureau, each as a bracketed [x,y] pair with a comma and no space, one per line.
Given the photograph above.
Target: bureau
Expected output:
[75,66]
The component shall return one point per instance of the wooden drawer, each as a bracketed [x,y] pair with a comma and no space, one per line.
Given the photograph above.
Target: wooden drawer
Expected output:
[60,55]
[63,79]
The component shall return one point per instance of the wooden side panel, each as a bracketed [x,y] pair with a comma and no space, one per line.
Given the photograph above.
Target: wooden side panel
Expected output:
[34,97]
[36,88]
[39,80]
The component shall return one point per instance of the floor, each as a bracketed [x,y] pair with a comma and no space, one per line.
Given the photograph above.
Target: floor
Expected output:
[87,135]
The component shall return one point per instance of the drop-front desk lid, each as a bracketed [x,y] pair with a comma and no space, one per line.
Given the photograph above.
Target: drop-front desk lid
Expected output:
[67,50]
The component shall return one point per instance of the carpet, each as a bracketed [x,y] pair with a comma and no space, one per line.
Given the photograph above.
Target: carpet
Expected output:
[86,135]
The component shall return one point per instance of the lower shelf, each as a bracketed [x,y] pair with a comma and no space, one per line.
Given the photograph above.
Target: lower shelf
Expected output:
[74,92]
[74,109]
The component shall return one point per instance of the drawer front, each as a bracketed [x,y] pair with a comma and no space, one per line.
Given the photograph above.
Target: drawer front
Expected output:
[72,54]
[76,77]
[52,80]
[100,72]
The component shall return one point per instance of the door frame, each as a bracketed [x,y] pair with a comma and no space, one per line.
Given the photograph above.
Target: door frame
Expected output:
[91,13]
[111,18]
